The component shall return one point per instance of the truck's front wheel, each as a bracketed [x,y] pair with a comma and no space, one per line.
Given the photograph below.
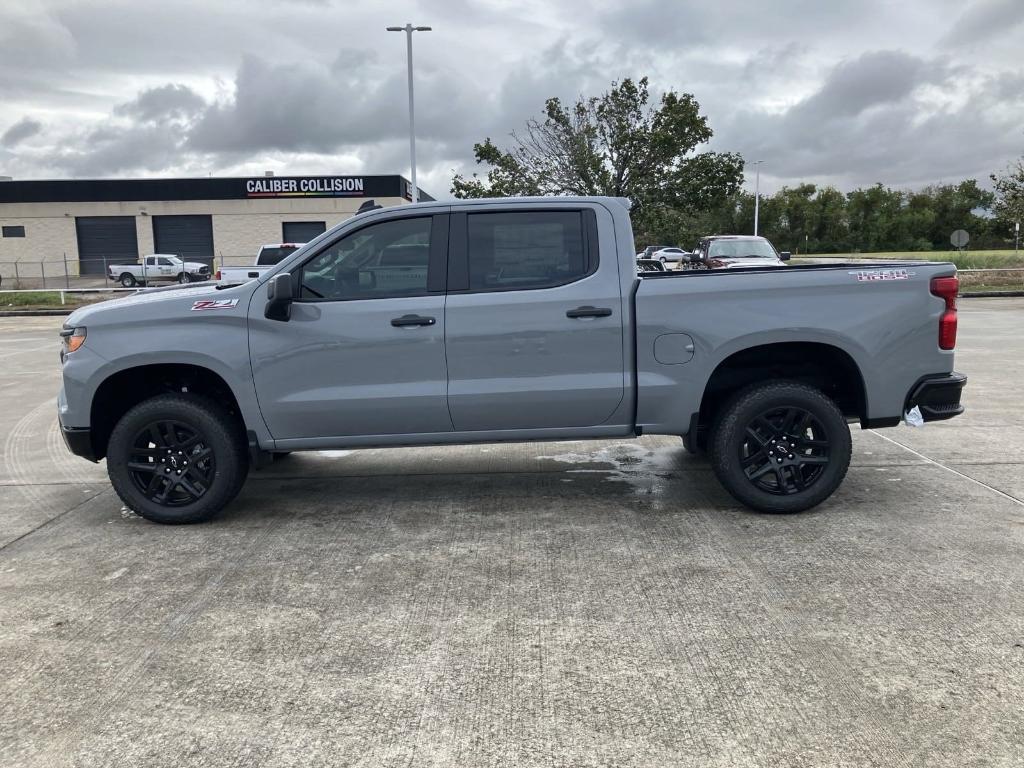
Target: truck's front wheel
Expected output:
[176,459]
[781,446]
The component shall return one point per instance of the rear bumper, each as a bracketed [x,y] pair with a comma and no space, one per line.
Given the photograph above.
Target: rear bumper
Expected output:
[938,396]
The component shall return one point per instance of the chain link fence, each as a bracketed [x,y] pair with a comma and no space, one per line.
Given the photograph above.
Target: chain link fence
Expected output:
[46,274]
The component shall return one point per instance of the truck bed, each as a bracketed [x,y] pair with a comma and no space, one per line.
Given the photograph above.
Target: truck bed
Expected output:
[882,316]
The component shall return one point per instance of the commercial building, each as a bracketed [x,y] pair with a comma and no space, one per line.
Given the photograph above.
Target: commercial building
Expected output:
[90,223]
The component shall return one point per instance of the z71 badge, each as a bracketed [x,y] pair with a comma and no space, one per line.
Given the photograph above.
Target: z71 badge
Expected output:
[214,304]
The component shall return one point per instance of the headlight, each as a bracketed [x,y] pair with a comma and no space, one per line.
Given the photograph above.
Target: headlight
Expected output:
[70,340]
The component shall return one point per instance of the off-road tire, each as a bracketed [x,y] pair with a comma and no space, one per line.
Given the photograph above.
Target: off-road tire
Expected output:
[218,432]
[730,441]
[127,280]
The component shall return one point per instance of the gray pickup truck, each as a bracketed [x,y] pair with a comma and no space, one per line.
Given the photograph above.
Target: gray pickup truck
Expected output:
[503,320]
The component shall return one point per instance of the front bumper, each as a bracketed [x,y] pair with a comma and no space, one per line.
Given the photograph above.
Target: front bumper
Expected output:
[938,396]
[79,441]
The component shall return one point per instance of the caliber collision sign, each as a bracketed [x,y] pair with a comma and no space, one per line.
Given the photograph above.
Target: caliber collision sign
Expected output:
[305,186]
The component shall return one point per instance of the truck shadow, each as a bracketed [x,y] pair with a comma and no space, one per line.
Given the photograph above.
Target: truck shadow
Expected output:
[655,474]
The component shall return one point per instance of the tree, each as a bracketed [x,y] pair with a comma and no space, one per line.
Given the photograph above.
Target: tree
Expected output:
[1009,194]
[616,144]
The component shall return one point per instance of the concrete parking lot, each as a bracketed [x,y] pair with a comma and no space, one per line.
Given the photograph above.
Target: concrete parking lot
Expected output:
[559,604]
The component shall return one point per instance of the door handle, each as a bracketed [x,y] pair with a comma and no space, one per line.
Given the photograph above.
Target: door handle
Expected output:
[407,321]
[589,311]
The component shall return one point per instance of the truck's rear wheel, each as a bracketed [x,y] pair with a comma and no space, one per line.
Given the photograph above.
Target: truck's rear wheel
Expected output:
[781,447]
[176,459]
[127,280]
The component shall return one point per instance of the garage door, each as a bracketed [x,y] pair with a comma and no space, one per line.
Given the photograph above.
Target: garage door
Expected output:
[188,237]
[302,231]
[105,240]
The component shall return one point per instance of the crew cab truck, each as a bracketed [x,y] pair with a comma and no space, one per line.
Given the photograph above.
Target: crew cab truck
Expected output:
[158,267]
[504,320]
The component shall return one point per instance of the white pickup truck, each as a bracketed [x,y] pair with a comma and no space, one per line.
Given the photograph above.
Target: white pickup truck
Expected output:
[158,267]
[267,257]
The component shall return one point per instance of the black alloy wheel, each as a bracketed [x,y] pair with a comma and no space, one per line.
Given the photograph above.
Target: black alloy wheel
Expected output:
[171,464]
[785,450]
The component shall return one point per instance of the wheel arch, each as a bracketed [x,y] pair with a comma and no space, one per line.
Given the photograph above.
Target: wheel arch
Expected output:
[125,388]
[819,364]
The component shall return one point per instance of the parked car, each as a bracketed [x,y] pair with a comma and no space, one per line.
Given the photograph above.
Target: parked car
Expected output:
[158,267]
[648,252]
[476,321]
[731,251]
[266,257]
[662,253]
[670,255]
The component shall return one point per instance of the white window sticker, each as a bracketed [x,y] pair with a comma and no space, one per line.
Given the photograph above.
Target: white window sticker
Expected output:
[214,304]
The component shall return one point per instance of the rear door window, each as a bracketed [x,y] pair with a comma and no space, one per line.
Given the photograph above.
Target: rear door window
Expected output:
[526,250]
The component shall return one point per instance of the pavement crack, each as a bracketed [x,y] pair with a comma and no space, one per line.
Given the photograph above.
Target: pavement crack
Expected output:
[1004,494]
[52,520]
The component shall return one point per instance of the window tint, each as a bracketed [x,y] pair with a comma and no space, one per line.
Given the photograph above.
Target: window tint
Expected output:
[752,247]
[301,231]
[378,261]
[165,262]
[271,256]
[532,249]
[14,231]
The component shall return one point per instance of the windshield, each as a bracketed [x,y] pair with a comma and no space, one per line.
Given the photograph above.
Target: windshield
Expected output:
[737,249]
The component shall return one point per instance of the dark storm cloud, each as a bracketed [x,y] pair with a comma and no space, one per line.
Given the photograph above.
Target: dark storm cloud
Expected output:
[25,128]
[169,101]
[984,21]
[850,91]
[875,78]
[300,106]
[875,118]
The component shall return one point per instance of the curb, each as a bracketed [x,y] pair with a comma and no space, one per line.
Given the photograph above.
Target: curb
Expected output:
[990,294]
[36,312]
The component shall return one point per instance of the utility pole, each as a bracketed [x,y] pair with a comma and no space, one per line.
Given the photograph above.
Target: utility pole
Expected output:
[757,194]
[409,29]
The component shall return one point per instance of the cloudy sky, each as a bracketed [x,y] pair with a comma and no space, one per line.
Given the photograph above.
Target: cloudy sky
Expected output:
[847,92]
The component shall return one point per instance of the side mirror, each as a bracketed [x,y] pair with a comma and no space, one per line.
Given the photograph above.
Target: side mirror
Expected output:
[785,255]
[279,298]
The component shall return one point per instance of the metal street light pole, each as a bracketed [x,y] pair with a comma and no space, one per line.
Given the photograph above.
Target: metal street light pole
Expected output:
[757,193]
[409,29]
